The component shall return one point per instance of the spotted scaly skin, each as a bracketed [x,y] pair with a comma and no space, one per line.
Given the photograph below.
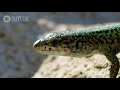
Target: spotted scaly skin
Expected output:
[80,43]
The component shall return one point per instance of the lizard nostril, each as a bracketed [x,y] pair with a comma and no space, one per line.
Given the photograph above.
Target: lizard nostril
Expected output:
[35,45]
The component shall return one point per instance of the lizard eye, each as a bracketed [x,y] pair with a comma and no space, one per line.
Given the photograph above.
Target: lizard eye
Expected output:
[66,43]
[54,42]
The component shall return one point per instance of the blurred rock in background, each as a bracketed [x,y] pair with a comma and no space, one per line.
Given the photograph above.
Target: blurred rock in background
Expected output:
[18,59]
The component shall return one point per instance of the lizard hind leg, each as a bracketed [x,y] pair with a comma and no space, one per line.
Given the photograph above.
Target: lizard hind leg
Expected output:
[114,69]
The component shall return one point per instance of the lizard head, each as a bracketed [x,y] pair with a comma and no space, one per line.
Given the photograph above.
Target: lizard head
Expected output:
[54,44]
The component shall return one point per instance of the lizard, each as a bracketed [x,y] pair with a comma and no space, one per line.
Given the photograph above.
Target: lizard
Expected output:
[82,43]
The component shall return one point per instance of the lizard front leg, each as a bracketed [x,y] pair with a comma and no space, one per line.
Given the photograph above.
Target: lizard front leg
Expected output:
[114,69]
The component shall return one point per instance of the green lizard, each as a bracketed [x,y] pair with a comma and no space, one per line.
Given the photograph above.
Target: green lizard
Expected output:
[78,43]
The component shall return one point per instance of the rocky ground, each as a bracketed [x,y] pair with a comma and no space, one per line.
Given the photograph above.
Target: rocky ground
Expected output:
[18,59]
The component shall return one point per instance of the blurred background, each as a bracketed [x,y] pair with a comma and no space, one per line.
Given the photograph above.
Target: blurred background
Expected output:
[19,30]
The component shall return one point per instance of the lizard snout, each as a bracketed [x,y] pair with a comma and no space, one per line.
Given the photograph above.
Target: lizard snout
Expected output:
[36,45]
